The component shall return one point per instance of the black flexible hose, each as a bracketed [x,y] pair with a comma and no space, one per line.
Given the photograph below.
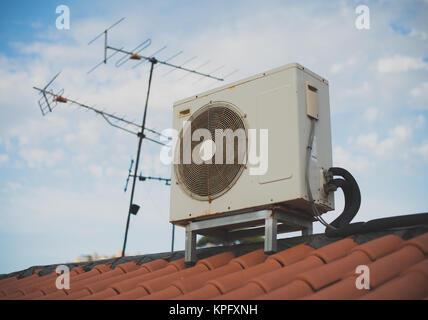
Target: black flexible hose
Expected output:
[382,224]
[352,196]
[351,193]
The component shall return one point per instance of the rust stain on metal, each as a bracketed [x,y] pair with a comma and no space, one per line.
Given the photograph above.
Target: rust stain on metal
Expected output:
[61,99]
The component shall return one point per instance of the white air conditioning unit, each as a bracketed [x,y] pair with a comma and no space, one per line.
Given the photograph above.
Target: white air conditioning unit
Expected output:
[283,101]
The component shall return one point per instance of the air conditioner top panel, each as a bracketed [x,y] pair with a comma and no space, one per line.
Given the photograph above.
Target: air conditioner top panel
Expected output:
[246,80]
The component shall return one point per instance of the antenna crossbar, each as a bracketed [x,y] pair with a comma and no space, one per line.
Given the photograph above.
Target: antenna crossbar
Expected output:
[135,56]
[108,117]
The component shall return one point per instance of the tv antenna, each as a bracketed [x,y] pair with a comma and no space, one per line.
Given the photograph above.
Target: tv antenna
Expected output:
[49,100]
[144,178]
[136,54]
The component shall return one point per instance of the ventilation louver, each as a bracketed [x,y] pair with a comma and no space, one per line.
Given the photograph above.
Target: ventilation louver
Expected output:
[203,179]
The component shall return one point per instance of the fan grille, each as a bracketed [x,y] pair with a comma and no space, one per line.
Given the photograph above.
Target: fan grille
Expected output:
[204,180]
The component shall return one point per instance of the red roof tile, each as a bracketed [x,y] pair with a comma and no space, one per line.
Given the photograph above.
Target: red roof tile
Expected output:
[420,242]
[330,273]
[235,280]
[411,286]
[110,279]
[421,267]
[251,259]
[292,255]
[157,284]
[206,292]
[217,260]
[272,280]
[167,293]
[133,294]
[390,266]
[342,290]
[380,247]
[398,269]
[194,282]
[294,290]
[125,284]
[335,250]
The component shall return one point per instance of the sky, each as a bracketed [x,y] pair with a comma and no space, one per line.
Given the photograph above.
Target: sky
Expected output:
[62,175]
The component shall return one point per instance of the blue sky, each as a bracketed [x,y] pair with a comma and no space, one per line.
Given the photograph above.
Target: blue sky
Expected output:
[62,175]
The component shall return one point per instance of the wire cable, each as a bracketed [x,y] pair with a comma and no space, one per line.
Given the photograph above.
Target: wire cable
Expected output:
[316,213]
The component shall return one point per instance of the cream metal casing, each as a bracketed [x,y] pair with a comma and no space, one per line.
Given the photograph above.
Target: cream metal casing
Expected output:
[282,101]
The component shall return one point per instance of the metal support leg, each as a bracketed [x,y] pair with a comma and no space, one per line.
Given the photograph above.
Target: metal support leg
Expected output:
[190,247]
[308,230]
[270,234]
[223,227]
[288,218]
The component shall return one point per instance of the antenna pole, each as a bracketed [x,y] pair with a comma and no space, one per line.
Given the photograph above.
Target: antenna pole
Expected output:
[105,46]
[173,236]
[141,136]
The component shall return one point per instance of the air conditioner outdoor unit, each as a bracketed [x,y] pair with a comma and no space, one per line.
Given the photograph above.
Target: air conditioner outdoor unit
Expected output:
[269,119]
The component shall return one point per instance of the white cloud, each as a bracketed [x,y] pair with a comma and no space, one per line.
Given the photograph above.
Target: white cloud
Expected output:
[11,188]
[422,150]
[396,137]
[371,114]
[399,63]
[341,66]
[353,163]
[34,131]
[419,34]
[4,158]
[420,91]
[360,91]
[420,120]
[14,186]
[41,158]
[36,24]
[96,171]
[62,173]
[368,140]
[114,172]
[87,134]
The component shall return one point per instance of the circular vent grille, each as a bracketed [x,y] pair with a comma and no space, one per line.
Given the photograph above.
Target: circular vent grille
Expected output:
[210,170]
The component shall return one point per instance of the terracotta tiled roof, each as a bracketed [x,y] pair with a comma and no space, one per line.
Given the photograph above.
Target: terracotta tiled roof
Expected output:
[313,267]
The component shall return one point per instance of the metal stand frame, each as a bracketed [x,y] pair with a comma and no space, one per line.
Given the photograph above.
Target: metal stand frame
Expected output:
[225,228]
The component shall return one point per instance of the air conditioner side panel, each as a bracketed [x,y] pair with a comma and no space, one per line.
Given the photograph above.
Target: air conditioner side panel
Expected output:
[321,158]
